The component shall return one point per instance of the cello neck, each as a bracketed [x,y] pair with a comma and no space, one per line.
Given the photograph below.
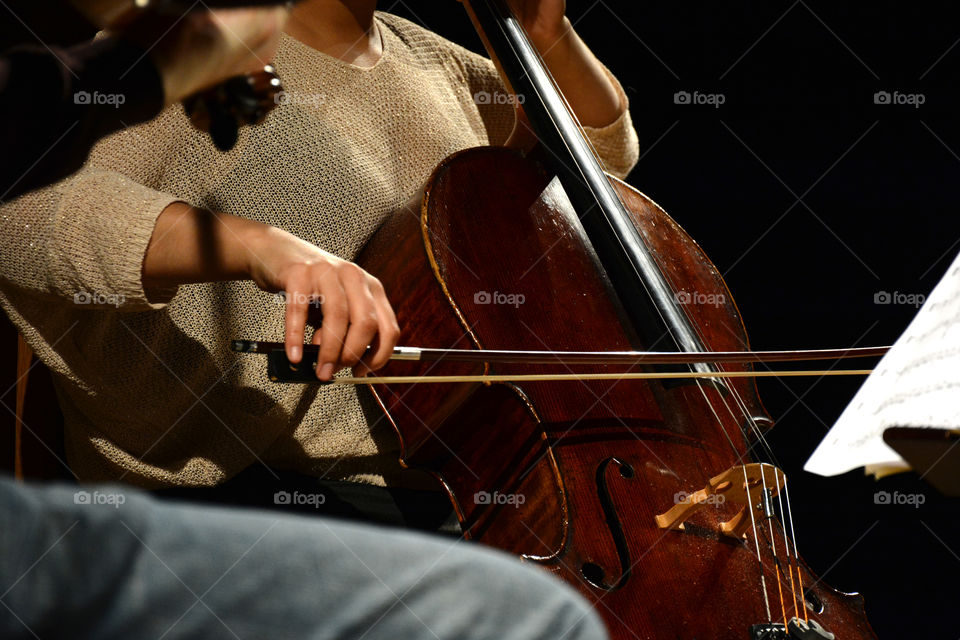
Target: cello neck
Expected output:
[647,300]
[525,74]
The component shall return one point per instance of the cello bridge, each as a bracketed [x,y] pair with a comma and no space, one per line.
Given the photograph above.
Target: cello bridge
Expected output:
[754,486]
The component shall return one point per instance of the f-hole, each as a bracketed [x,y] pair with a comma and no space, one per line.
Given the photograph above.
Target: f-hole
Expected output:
[591,571]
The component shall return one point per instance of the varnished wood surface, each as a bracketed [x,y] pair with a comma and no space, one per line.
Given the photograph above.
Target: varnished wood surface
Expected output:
[594,462]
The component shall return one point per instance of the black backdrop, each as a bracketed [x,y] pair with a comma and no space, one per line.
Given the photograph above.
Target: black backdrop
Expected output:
[811,198]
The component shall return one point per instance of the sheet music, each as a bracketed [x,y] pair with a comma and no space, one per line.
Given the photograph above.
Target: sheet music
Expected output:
[917,384]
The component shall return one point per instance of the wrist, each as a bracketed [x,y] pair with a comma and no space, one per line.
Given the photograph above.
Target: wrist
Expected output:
[245,240]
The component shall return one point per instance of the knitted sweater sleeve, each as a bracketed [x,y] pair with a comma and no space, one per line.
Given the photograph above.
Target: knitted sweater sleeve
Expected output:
[83,240]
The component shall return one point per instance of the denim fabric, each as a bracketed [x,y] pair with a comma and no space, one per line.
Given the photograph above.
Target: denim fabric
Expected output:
[110,563]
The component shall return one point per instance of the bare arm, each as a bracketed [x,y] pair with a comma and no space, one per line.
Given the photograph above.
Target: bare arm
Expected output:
[579,74]
[592,94]
[192,245]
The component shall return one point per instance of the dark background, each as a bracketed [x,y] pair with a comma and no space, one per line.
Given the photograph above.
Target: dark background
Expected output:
[811,199]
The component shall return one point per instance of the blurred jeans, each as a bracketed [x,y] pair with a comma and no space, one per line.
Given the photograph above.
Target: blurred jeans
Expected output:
[104,563]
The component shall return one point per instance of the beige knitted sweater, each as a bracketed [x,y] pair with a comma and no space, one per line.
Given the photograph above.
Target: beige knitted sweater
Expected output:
[150,392]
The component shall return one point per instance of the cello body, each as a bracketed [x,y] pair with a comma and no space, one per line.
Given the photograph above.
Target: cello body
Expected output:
[571,475]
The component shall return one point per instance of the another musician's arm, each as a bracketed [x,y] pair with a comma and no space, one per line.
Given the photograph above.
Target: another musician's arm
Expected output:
[64,99]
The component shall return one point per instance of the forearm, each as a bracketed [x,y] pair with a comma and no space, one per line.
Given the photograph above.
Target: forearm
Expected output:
[192,245]
[581,76]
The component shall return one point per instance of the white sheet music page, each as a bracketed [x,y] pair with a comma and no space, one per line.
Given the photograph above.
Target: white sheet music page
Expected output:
[917,384]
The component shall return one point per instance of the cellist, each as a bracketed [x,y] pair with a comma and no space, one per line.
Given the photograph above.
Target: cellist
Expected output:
[107,562]
[199,242]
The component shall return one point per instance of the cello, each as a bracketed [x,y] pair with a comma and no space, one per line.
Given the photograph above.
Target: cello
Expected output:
[634,482]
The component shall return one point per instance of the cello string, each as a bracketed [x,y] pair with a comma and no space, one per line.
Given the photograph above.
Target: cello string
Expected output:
[677,343]
[665,323]
[524,41]
[793,559]
[756,541]
[623,209]
[783,609]
[773,540]
[697,381]
[758,434]
[507,13]
[778,572]
[796,554]
[786,543]
[748,419]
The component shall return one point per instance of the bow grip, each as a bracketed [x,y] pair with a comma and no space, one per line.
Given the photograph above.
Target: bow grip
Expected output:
[281,370]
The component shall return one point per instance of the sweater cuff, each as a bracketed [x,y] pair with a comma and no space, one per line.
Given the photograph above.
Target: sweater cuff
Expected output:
[100,244]
[617,143]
